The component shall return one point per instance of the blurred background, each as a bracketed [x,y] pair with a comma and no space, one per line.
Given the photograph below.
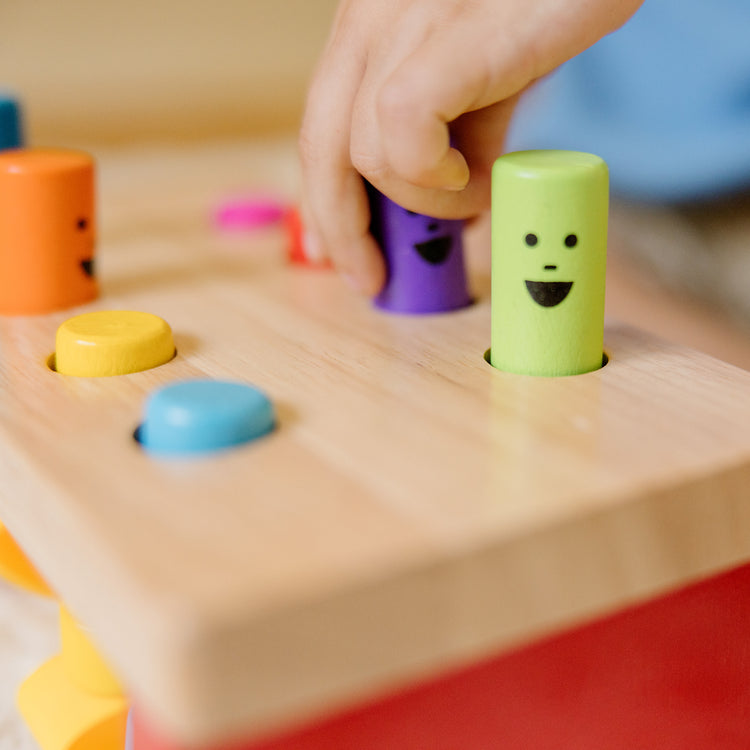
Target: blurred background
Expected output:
[88,71]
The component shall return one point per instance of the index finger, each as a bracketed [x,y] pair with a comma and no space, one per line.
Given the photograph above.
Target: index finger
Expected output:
[335,194]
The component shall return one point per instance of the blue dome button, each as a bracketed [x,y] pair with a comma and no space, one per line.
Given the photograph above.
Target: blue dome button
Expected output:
[200,416]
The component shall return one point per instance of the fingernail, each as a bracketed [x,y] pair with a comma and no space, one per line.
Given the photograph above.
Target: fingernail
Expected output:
[458,170]
[459,181]
[312,246]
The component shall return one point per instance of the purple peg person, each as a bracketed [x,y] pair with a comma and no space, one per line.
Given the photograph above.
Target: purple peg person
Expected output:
[424,259]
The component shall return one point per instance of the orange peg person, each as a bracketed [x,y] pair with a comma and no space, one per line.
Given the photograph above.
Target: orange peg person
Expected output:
[46,230]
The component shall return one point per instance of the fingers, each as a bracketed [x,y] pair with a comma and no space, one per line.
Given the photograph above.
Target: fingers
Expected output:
[410,136]
[457,70]
[337,219]
[474,61]
[416,96]
[336,211]
[479,137]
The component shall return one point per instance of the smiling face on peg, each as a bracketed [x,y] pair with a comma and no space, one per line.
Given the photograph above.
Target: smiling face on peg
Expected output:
[424,259]
[549,244]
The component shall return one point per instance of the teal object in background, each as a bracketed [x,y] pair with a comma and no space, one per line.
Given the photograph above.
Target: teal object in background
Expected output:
[665,101]
[11,131]
[549,252]
[203,416]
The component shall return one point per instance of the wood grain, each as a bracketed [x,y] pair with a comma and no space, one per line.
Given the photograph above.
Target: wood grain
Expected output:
[415,510]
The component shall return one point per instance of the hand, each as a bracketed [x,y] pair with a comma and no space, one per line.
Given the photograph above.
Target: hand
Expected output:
[416,96]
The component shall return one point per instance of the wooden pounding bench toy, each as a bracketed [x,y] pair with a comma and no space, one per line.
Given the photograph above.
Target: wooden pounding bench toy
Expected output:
[421,552]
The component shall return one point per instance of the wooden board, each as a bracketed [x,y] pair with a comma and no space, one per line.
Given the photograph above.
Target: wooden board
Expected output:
[415,510]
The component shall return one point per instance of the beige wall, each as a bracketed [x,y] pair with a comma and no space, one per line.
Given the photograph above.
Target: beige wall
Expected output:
[98,71]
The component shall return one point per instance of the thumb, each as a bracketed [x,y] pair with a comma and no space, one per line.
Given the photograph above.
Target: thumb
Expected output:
[489,53]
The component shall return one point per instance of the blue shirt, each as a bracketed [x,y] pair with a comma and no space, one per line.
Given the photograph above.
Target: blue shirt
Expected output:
[665,101]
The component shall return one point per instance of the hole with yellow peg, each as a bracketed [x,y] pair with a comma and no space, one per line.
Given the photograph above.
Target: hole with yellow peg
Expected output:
[115,342]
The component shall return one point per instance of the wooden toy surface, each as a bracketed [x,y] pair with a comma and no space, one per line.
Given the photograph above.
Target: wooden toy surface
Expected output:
[415,510]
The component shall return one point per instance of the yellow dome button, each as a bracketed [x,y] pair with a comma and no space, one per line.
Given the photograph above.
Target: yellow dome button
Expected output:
[117,342]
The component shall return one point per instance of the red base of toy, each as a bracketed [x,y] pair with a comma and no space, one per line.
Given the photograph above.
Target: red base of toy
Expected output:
[671,674]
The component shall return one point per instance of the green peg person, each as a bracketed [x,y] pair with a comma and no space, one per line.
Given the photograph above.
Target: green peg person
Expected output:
[549,250]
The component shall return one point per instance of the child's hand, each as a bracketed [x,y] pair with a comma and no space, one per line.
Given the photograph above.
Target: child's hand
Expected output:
[394,75]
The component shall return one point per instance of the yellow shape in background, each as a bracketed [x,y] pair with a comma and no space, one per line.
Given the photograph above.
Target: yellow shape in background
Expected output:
[62,717]
[83,664]
[16,568]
